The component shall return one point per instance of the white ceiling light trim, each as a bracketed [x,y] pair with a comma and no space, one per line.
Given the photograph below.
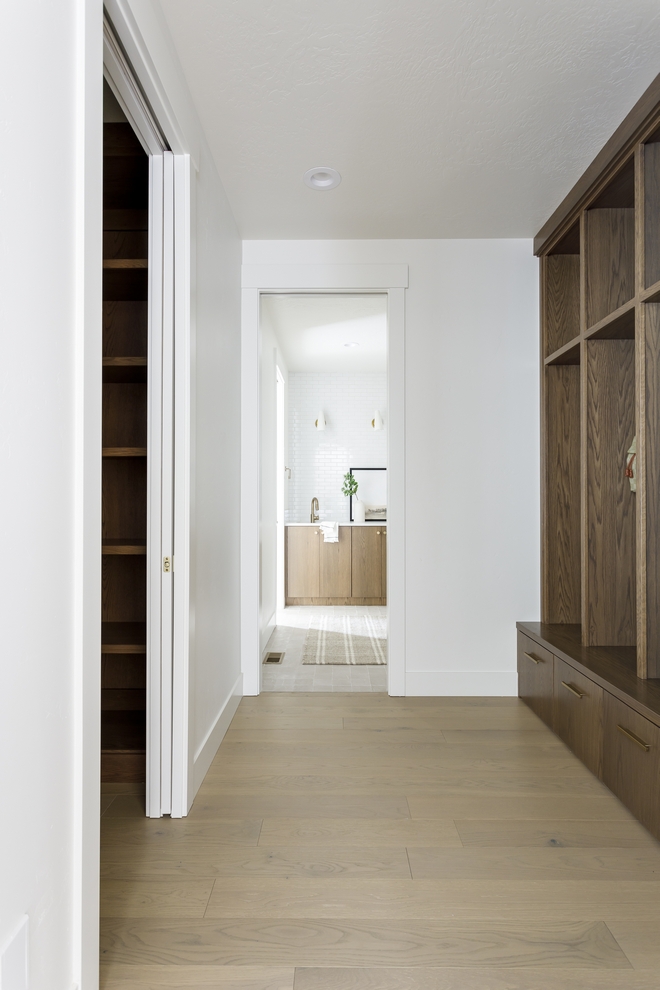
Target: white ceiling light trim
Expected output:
[322,177]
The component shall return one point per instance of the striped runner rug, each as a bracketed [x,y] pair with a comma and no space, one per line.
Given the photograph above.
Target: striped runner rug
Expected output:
[346,639]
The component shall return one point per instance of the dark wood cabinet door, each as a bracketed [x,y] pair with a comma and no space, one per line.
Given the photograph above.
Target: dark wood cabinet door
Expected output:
[302,561]
[631,761]
[366,562]
[535,677]
[335,566]
[579,715]
[383,554]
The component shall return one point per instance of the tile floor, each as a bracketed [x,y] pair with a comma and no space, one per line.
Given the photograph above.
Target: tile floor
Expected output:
[289,636]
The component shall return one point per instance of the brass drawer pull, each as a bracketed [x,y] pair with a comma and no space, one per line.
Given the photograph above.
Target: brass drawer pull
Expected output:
[533,659]
[569,687]
[633,738]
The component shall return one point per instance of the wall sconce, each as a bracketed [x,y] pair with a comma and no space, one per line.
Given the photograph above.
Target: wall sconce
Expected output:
[377,421]
[320,422]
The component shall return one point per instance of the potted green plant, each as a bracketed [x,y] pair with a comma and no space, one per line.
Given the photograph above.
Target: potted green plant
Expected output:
[349,488]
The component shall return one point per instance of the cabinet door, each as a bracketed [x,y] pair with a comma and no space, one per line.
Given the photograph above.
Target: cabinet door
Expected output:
[579,715]
[335,567]
[366,562]
[383,554]
[302,562]
[631,761]
[535,679]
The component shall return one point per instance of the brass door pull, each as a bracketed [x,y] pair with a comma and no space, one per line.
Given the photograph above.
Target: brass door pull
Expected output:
[569,687]
[633,738]
[533,659]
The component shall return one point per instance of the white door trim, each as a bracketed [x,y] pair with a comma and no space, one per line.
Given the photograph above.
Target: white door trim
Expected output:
[392,279]
[182,741]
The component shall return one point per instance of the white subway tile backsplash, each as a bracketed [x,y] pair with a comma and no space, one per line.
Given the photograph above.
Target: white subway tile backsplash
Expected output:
[319,459]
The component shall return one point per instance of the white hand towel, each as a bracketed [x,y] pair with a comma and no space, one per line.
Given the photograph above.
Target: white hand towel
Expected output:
[330,532]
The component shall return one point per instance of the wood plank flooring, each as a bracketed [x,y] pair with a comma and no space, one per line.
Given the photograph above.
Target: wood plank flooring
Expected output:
[360,842]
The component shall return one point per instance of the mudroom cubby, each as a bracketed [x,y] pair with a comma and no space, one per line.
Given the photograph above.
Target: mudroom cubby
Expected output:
[591,668]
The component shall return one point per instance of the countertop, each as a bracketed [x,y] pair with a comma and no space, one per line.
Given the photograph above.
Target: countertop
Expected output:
[368,522]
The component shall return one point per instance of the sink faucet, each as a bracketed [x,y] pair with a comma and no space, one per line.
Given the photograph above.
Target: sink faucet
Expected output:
[314,514]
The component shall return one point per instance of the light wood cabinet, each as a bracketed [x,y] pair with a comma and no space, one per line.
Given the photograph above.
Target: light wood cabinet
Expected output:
[350,572]
[302,562]
[335,566]
[367,562]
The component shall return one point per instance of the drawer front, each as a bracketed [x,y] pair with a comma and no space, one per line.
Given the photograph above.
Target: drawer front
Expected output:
[579,715]
[535,666]
[631,761]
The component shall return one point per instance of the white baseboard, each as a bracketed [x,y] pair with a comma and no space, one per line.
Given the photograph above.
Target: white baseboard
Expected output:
[204,755]
[267,633]
[462,683]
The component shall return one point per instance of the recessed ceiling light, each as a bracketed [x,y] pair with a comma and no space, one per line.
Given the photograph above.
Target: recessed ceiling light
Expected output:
[353,343]
[322,178]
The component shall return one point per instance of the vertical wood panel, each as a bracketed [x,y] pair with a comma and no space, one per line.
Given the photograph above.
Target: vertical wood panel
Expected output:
[651,482]
[302,552]
[652,212]
[562,300]
[535,678]
[366,562]
[610,258]
[578,717]
[630,771]
[561,536]
[610,505]
[640,417]
[335,566]
[124,588]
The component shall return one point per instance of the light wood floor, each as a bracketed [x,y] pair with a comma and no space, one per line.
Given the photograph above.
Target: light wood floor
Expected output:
[361,842]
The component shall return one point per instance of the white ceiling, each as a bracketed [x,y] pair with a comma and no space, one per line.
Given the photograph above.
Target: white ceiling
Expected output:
[312,330]
[445,118]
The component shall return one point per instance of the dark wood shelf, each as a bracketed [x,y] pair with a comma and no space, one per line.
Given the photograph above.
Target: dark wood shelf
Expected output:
[124,451]
[614,668]
[125,263]
[123,637]
[568,354]
[619,325]
[124,546]
[124,362]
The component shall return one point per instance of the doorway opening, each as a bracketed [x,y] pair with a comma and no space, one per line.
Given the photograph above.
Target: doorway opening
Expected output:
[324,490]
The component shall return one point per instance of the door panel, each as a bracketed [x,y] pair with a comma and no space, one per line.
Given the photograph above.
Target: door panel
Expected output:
[535,678]
[335,566]
[302,556]
[367,564]
[631,761]
[579,715]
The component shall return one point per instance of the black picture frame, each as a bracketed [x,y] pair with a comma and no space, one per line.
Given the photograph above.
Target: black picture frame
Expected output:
[374,519]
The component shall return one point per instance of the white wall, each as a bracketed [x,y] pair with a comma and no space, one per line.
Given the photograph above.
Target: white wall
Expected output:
[472,450]
[319,459]
[50,404]
[215,549]
[50,408]
[270,358]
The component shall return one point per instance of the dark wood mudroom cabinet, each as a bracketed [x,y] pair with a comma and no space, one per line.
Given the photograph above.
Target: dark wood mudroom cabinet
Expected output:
[600,423]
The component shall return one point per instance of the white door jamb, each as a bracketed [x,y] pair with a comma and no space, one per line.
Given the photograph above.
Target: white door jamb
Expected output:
[392,279]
